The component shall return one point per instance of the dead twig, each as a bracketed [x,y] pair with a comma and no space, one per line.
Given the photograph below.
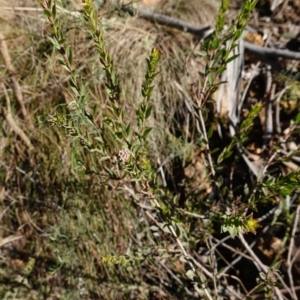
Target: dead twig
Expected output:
[189,259]
[264,268]
[176,278]
[13,124]
[269,97]
[12,73]
[10,239]
[263,52]
[204,31]
[291,250]
[277,117]
[200,31]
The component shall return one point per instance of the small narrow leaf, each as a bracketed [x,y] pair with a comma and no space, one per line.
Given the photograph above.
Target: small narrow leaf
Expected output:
[146,132]
[127,130]
[54,42]
[148,111]
[232,58]
[201,53]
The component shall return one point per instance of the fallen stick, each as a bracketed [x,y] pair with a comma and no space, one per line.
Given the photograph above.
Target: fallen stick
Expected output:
[200,31]
[203,32]
[267,52]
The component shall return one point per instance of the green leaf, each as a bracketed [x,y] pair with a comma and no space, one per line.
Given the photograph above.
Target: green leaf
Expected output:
[75,91]
[210,132]
[220,181]
[63,64]
[210,79]
[219,55]
[146,132]
[202,53]
[148,111]
[54,11]
[47,13]
[232,58]
[221,70]
[260,288]
[127,130]
[206,70]
[69,54]
[225,154]
[215,150]
[55,43]
[216,43]
[119,134]
[232,231]
[190,274]
[110,172]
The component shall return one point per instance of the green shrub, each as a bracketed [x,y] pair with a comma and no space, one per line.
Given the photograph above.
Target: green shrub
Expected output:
[119,218]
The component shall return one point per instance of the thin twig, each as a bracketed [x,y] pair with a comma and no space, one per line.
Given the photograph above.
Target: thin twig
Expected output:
[10,239]
[269,96]
[254,73]
[238,280]
[12,122]
[291,248]
[176,278]
[264,268]
[253,289]
[12,73]
[214,262]
[203,129]
[161,170]
[277,117]
[6,209]
[188,258]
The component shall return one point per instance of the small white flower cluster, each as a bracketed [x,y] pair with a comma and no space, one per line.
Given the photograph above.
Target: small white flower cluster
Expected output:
[124,155]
